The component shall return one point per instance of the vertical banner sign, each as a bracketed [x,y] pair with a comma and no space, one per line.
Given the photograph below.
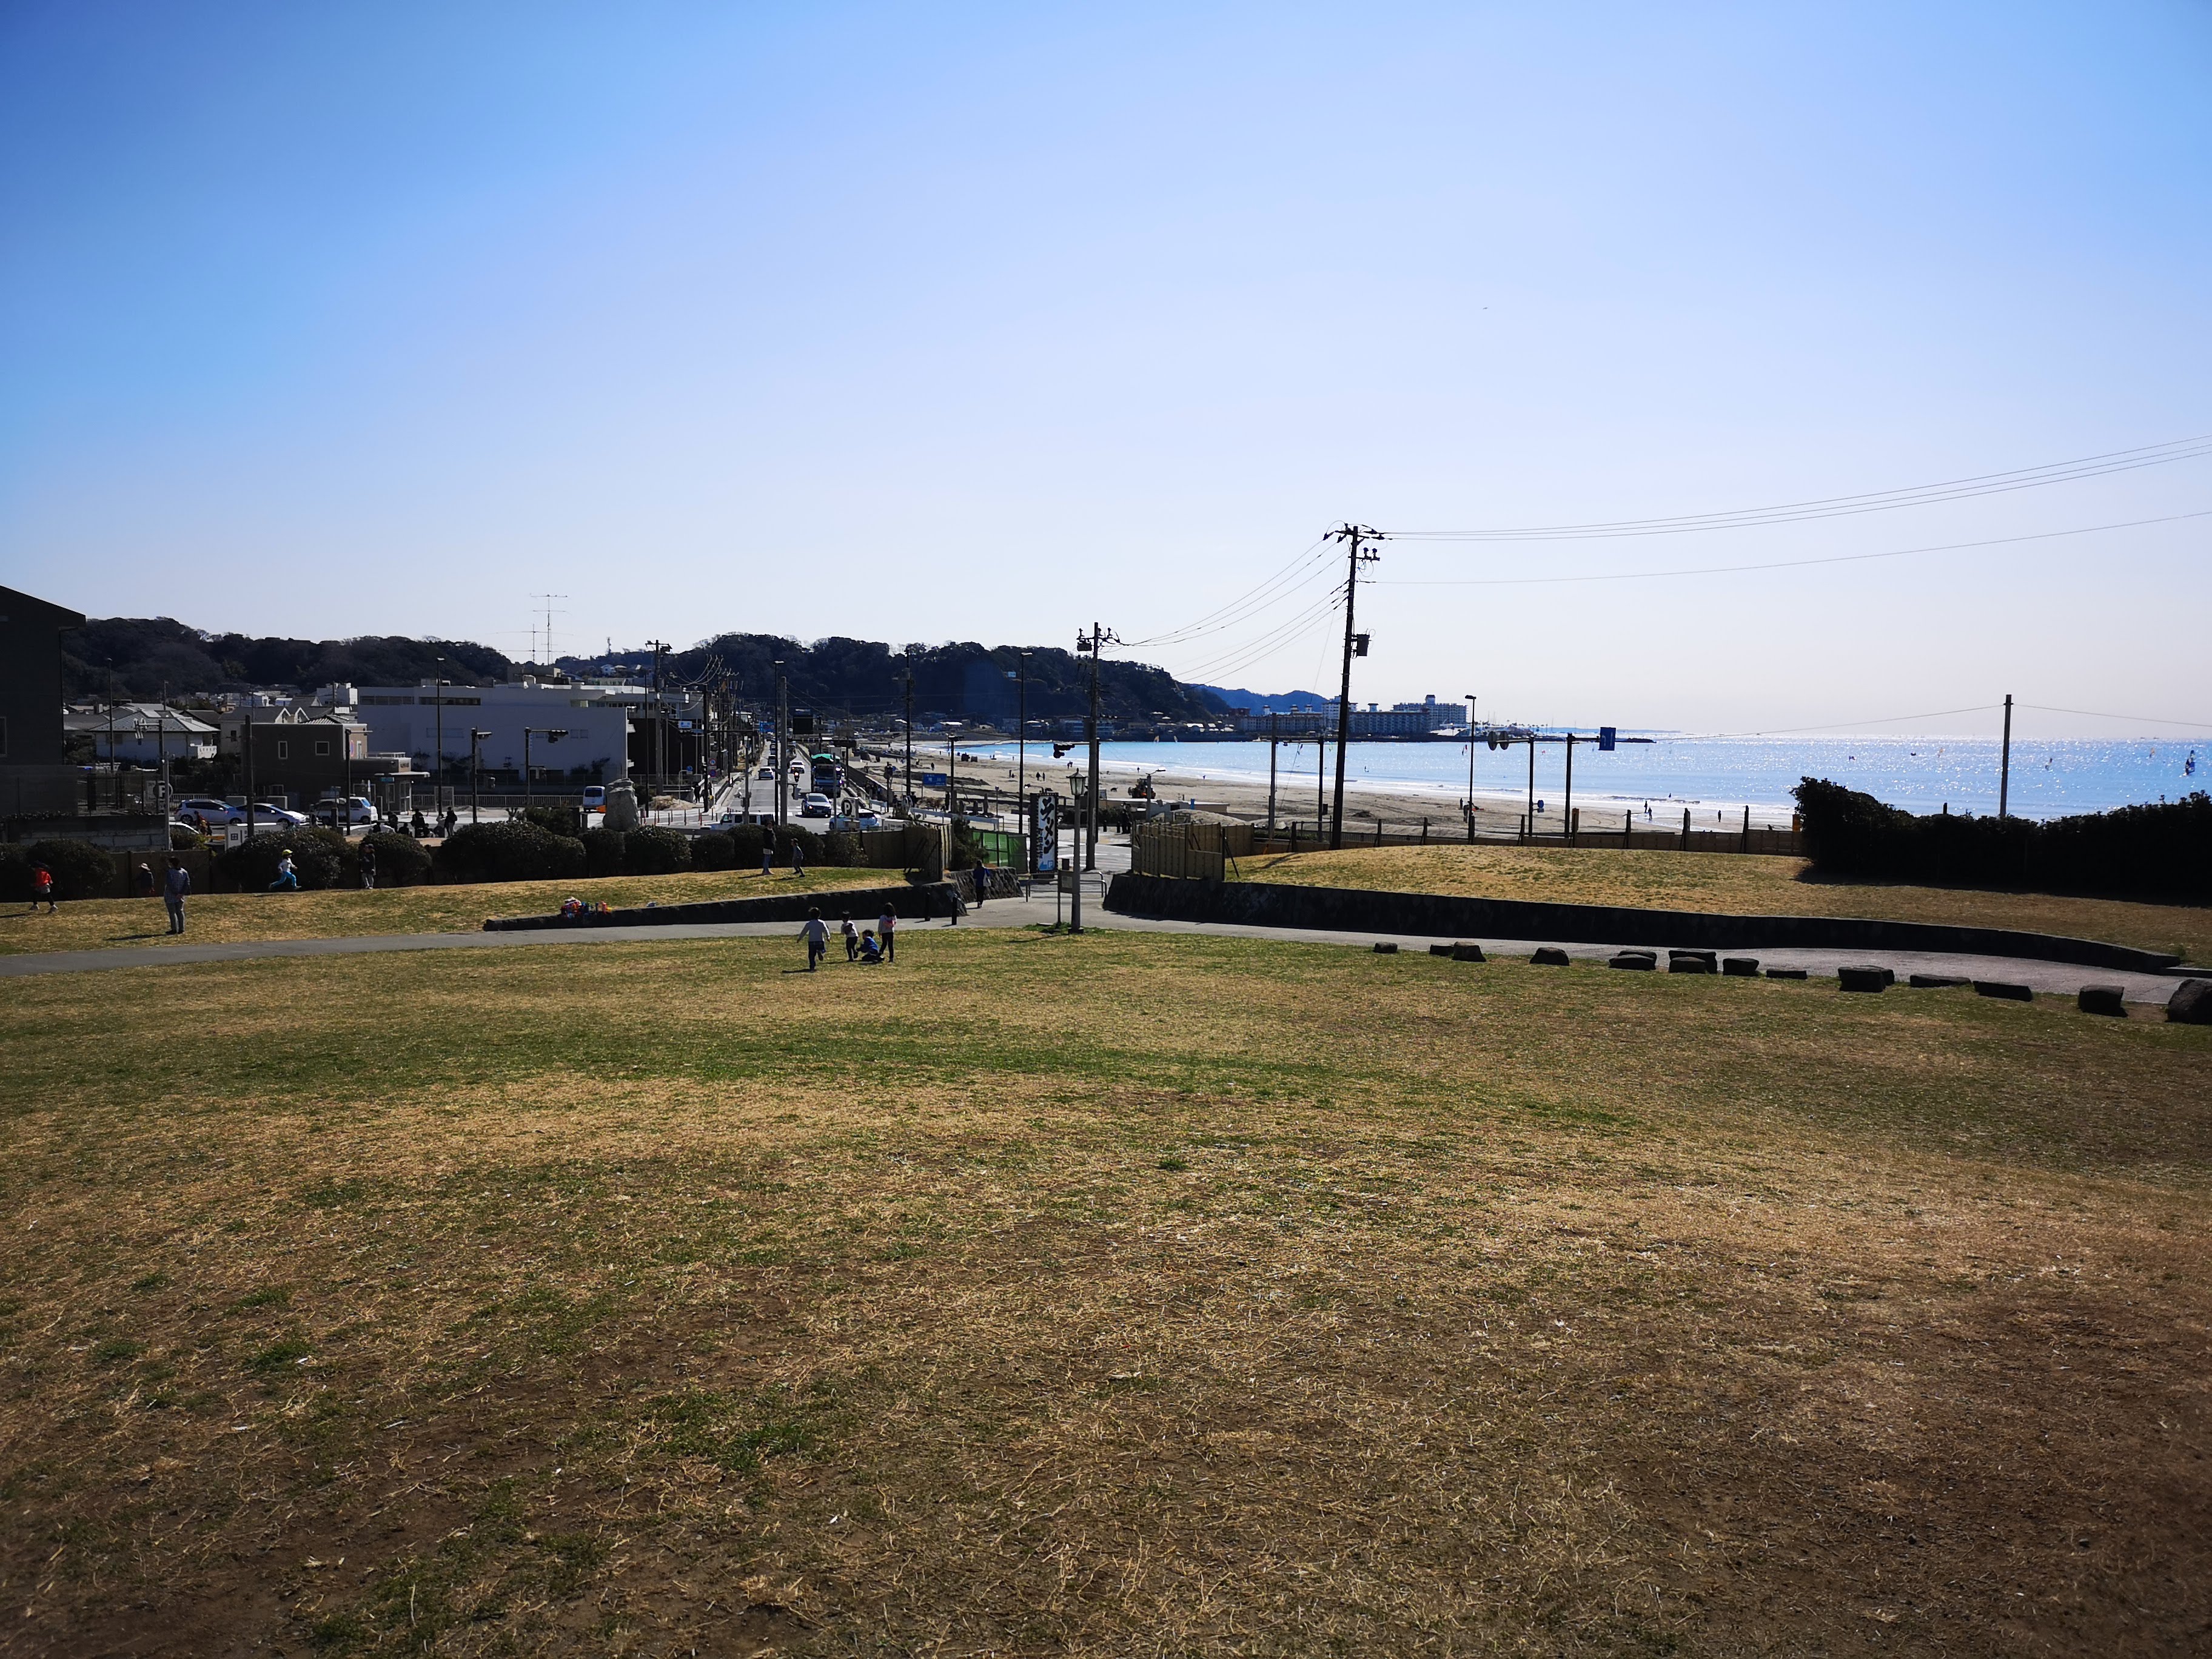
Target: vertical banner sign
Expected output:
[1044,831]
[1605,739]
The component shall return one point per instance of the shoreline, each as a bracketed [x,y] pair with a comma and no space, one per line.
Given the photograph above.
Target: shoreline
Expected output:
[1402,805]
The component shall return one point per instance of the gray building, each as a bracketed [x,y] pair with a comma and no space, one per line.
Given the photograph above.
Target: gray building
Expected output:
[35,776]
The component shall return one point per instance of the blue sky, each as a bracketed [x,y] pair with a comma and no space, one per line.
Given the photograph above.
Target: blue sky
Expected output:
[985,323]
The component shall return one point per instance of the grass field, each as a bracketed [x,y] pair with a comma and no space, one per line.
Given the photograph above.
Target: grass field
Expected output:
[1738,885]
[1136,1293]
[94,924]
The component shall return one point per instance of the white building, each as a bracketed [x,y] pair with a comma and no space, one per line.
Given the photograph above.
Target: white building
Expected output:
[410,718]
[141,733]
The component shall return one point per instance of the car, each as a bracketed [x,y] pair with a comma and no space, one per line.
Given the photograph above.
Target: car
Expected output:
[354,811]
[595,798]
[267,811]
[852,820]
[816,806]
[208,810]
[768,772]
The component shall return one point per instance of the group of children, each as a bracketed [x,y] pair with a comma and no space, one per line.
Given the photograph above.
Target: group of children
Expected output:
[865,945]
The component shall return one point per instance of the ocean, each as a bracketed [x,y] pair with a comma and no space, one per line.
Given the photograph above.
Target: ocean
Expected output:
[1721,776]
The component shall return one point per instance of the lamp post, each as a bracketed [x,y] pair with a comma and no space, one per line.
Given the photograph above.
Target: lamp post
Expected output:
[1022,757]
[1470,765]
[552,734]
[475,773]
[438,771]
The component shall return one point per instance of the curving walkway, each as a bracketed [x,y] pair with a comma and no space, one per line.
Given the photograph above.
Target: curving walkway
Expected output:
[2055,979]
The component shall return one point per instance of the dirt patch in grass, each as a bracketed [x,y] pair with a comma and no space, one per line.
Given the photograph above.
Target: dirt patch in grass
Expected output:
[95,924]
[1753,884]
[1129,1293]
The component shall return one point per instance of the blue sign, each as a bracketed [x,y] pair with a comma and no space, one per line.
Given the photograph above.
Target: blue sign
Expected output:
[932,779]
[1605,738]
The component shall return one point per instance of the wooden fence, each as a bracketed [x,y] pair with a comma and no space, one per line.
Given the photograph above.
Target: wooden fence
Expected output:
[1188,852]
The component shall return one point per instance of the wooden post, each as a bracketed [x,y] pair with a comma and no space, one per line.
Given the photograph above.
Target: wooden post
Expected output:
[1627,826]
[2004,761]
[1747,829]
[1685,828]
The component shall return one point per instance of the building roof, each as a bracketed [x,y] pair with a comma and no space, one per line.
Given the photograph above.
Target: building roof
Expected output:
[17,606]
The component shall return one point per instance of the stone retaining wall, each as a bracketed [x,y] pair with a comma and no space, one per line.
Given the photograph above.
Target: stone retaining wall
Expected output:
[1349,910]
[910,902]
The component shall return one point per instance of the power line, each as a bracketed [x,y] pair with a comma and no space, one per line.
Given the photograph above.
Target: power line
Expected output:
[1833,725]
[2144,720]
[1788,564]
[1881,501]
[1221,617]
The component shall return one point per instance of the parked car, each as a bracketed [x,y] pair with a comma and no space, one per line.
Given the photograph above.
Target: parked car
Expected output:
[355,811]
[730,819]
[816,806]
[210,812]
[267,811]
[853,821]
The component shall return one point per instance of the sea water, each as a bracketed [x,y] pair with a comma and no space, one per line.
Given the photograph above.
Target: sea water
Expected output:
[1718,776]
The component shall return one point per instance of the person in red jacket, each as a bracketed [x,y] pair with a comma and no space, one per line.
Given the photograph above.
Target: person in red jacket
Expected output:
[42,888]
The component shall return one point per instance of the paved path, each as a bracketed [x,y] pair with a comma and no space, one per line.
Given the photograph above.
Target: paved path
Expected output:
[2053,978]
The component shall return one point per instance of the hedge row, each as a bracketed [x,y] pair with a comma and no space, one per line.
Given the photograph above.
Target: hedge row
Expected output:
[80,869]
[521,850]
[2149,852]
[323,858]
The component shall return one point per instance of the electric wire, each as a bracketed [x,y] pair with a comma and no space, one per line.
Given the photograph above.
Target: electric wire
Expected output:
[1785,564]
[1220,617]
[2143,719]
[1881,501]
[1249,652]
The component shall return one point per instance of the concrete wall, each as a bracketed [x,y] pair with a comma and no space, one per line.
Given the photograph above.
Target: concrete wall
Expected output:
[1352,910]
[908,901]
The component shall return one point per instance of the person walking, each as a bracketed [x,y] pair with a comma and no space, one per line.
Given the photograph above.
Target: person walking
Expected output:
[142,880]
[367,860]
[176,882]
[42,889]
[288,878]
[982,873]
[815,932]
[852,937]
[887,931]
[798,857]
[767,853]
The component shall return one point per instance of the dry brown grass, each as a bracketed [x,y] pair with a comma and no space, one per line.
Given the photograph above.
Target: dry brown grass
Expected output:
[96,924]
[1134,1294]
[1737,885]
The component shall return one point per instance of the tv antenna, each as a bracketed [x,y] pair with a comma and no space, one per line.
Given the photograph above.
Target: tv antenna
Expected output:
[545,658]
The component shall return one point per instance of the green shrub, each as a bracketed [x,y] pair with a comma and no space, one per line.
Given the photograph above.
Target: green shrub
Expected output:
[14,874]
[806,840]
[183,839]
[514,851]
[746,841]
[80,869]
[604,852]
[715,851]
[840,848]
[320,857]
[656,852]
[401,861]
[2163,851]
[555,820]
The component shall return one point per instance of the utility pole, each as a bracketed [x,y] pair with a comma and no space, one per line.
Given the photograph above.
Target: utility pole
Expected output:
[2004,761]
[1100,637]
[1271,775]
[552,734]
[1532,787]
[653,783]
[1353,537]
[909,735]
[1567,806]
[782,742]
[1022,760]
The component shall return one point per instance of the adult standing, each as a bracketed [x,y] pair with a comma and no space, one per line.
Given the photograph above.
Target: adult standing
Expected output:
[142,880]
[815,932]
[887,931]
[367,860]
[768,851]
[175,884]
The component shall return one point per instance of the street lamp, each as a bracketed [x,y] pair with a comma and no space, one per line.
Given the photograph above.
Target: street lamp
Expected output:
[438,771]
[1470,765]
[475,750]
[552,734]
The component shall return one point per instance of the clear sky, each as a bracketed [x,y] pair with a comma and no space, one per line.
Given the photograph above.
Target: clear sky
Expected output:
[930,323]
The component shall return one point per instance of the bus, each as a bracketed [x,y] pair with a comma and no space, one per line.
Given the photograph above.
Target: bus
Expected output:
[828,773]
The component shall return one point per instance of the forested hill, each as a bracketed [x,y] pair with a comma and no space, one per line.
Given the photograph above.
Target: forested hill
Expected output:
[960,681]
[146,657]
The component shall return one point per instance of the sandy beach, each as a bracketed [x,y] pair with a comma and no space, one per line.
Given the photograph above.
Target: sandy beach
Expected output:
[1401,809]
